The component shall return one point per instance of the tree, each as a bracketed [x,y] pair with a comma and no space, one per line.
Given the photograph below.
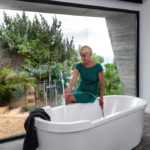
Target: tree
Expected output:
[13,31]
[112,81]
[97,58]
[42,45]
[39,42]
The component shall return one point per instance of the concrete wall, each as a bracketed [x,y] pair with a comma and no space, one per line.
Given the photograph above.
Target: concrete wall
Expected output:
[122,32]
[145,52]
[144,38]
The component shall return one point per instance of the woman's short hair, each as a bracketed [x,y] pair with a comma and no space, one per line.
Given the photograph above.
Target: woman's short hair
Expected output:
[86,49]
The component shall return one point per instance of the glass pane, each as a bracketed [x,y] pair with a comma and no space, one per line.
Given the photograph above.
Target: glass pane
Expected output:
[38,52]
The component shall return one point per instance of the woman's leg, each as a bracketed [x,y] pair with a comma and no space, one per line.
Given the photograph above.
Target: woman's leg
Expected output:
[70,99]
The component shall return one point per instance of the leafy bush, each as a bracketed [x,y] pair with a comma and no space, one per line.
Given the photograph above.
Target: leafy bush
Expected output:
[11,83]
[113,85]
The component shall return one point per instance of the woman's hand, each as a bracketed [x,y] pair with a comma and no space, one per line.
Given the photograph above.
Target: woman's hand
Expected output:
[67,92]
[68,89]
[101,102]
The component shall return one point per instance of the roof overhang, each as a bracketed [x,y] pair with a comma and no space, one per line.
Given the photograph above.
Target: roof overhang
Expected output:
[49,6]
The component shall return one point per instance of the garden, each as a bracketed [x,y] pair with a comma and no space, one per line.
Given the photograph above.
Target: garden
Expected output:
[24,86]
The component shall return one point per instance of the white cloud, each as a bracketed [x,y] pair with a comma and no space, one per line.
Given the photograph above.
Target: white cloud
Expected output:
[90,31]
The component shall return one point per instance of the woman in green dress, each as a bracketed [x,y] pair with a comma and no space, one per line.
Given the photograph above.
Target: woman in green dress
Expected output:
[91,74]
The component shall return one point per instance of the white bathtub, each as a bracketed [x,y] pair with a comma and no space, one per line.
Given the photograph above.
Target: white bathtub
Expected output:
[82,127]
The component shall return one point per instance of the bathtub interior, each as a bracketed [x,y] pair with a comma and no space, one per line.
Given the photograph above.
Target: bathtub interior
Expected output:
[75,112]
[121,103]
[92,111]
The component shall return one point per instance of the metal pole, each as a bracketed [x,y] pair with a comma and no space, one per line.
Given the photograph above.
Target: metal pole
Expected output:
[45,93]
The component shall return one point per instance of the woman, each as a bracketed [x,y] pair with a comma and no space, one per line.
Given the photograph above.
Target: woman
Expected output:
[91,74]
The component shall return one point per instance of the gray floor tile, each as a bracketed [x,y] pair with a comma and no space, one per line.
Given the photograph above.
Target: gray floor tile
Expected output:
[13,145]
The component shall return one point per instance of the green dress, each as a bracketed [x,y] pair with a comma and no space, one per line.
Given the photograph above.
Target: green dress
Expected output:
[89,83]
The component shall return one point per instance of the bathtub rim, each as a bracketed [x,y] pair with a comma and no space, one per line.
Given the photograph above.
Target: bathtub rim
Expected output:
[77,126]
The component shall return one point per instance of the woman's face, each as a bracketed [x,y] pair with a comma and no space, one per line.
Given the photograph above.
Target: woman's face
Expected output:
[85,57]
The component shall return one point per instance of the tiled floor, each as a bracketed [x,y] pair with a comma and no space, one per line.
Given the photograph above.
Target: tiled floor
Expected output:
[144,145]
[13,145]
[145,142]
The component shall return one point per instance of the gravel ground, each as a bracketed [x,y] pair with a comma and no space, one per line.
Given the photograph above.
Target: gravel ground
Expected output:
[12,122]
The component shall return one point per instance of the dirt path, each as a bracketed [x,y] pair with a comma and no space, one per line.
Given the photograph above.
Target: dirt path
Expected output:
[12,122]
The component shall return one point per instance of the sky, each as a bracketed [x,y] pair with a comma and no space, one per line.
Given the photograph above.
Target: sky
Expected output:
[91,31]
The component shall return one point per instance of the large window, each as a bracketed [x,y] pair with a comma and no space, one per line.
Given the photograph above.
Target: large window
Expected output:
[38,50]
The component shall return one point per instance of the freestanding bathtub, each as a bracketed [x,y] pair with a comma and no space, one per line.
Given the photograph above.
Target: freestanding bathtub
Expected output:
[82,127]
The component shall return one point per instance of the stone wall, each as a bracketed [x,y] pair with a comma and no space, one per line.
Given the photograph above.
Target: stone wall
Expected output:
[10,59]
[27,100]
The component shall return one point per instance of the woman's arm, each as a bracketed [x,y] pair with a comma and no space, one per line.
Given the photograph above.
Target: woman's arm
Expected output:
[72,82]
[102,85]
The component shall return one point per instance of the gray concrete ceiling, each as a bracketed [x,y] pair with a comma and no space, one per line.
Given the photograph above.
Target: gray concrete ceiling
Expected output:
[57,9]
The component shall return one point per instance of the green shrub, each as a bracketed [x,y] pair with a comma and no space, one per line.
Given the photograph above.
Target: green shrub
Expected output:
[12,85]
